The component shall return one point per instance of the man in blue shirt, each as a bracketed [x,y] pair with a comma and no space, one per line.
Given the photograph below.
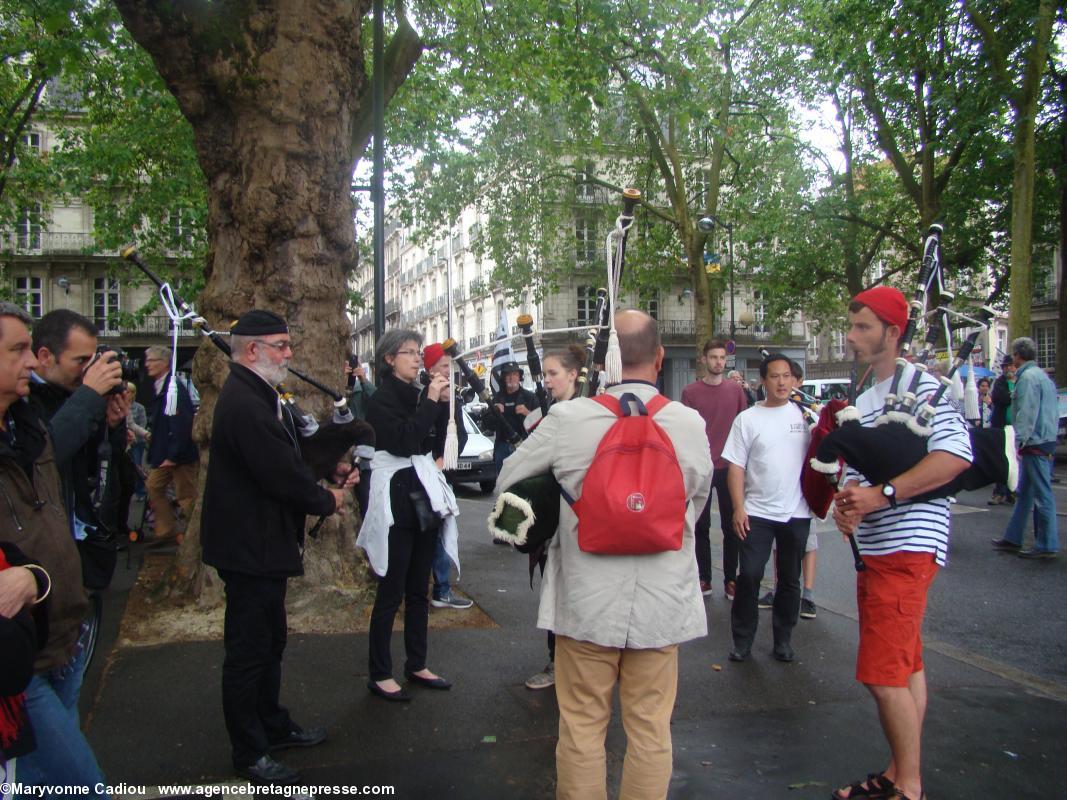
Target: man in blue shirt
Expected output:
[1034,417]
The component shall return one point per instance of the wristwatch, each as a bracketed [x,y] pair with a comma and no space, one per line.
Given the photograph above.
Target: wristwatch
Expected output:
[889,492]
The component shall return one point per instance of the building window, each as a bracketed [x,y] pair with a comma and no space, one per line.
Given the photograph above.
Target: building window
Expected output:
[813,345]
[586,305]
[32,141]
[759,312]
[837,345]
[105,304]
[584,188]
[649,303]
[28,229]
[1045,339]
[180,229]
[28,295]
[585,238]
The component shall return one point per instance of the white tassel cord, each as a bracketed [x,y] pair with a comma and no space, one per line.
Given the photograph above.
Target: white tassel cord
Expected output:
[971,410]
[451,455]
[613,359]
[166,297]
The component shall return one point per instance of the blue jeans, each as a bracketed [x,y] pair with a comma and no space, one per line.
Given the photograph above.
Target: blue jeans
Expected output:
[442,568]
[501,450]
[137,457]
[1035,491]
[62,757]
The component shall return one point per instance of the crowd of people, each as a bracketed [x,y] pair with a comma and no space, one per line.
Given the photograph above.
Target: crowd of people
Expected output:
[621,589]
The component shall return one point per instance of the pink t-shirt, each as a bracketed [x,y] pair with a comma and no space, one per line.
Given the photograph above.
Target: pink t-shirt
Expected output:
[718,405]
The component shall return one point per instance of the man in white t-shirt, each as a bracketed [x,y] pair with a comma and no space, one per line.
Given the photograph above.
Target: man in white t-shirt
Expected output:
[765,451]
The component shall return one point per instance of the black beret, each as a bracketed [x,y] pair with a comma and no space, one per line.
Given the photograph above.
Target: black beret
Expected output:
[510,366]
[259,323]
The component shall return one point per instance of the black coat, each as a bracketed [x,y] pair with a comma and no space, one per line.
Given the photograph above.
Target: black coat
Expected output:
[172,436]
[82,439]
[407,424]
[1001,402]
[517,422]
[258,490]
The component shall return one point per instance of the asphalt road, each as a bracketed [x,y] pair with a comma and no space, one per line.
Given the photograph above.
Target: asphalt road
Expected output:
[995,658]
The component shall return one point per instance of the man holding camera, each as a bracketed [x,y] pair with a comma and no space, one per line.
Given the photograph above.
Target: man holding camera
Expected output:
[73,389]
[172,454]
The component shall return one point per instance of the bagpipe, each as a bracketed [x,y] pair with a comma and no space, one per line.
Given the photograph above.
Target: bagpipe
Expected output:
[527,514]
[899,438]
[322,445]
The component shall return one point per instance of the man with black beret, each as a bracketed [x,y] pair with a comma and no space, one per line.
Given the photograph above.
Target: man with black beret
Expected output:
[256,497]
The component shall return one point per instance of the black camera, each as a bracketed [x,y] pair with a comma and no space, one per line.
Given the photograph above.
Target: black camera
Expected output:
[121,358]
[353,363]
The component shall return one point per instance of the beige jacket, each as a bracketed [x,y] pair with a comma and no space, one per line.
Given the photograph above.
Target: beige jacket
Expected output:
[616,601]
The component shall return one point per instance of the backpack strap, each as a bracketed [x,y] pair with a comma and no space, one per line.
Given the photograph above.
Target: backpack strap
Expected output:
[621,406]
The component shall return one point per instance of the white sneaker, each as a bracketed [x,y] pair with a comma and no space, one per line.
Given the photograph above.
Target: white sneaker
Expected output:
[543,680]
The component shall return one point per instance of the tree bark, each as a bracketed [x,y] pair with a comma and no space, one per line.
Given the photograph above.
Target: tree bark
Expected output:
[272,93]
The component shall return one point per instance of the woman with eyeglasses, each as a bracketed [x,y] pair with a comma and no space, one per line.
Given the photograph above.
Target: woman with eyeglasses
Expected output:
[410,504]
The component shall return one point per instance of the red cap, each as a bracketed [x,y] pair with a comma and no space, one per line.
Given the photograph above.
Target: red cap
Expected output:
[431,354]
[887,303]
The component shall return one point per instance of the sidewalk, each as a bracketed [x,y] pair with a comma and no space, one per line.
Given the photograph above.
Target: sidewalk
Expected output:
[756,730]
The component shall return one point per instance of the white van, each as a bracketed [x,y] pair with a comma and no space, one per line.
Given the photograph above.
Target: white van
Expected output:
[823,389]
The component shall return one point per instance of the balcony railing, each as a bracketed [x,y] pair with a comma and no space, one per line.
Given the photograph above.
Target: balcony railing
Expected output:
[152,325]
[476,341]
[392,307]
[38,241]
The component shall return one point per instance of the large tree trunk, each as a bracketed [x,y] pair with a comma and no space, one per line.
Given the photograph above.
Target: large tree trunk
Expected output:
[271,91]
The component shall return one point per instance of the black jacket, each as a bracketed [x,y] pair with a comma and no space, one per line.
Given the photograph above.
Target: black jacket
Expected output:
[258,490]
[83,443]
[406,426]
[521,396]
[1001,402]
[172,437]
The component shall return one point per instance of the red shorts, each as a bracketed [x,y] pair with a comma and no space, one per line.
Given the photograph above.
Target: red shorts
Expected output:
[891,595]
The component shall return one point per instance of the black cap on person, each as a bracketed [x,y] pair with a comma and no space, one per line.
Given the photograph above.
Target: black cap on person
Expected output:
[259,323]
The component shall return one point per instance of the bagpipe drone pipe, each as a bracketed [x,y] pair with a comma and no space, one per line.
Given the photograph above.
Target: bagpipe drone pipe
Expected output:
[527,514]
[899,438]
[322,446]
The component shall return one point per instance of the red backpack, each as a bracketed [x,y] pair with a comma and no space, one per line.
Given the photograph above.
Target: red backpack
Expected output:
[633,496]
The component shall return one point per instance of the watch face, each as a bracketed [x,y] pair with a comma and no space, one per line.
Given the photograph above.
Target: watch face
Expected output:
[888,490]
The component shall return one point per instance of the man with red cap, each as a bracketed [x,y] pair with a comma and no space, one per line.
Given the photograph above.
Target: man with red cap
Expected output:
[903,544]
[437,362]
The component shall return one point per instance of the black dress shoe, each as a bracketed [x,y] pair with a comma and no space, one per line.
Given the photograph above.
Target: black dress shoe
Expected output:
[737,654]
[1005,546]
[267,770]
[399,696]
[429,683]
[299,737]
[1033,552]
[784,652]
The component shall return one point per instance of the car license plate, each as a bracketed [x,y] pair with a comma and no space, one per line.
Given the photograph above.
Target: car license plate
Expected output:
[462,465]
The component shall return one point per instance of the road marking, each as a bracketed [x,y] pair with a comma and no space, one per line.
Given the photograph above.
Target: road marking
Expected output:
[1028,680]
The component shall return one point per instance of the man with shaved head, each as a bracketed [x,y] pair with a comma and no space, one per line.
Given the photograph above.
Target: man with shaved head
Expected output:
[618,619]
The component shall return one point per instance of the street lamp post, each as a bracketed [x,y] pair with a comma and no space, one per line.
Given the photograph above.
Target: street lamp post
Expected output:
[707,224]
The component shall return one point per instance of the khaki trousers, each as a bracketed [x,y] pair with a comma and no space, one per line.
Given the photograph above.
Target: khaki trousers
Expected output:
[586,675]
[184,478]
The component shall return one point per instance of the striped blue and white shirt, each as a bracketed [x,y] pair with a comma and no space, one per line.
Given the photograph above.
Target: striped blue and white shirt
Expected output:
[914,527]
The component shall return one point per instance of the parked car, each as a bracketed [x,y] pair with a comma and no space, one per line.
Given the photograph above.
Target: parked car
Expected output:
[476,463]
[823,389]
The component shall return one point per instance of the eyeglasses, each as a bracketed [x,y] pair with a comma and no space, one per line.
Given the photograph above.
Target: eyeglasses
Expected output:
[279,346]
[415,353]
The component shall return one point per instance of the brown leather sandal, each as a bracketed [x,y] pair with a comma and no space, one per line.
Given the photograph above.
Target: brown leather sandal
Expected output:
[875,785]
[896,794]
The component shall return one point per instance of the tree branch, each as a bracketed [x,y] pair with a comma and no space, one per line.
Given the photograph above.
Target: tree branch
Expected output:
[400,56]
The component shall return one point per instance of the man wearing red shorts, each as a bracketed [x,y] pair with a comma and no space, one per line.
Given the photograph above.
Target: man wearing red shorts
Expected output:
[903,544]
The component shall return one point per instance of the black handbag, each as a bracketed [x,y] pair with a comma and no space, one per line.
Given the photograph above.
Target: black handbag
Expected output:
[424,513]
